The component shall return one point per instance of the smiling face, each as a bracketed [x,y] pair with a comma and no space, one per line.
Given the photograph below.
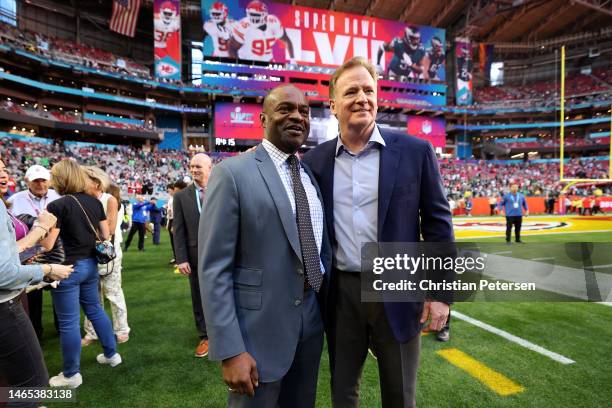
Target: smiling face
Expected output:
[4,178]
[286,118]
[355,104]
[200,167]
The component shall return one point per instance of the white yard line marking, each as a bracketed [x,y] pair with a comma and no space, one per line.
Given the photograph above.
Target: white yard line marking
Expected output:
[501,253]
[601,266]
[515,339]
[602,303]
[547,258]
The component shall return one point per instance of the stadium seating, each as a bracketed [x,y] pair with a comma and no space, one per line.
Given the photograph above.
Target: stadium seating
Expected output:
[579,88]
[68,116]
[70,52]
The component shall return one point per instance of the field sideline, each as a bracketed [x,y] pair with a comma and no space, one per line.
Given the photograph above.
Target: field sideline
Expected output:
[477,368]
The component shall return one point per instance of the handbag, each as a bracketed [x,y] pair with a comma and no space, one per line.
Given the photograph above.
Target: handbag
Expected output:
[105,251]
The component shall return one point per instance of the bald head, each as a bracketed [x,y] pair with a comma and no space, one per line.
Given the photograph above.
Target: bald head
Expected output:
[200,167]
[286,118]
[272,98]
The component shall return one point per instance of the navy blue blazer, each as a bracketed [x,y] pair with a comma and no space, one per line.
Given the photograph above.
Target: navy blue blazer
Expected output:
[412,206]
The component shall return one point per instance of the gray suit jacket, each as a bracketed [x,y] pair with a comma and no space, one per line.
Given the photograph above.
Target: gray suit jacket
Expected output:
[250,269]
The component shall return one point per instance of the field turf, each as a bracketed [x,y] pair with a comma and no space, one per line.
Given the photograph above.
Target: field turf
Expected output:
[159,369]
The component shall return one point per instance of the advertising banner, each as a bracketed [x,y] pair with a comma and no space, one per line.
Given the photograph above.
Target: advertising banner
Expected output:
[172,128]
[432,129]
[167,35]
[238,121]
[265,31]
[463,71]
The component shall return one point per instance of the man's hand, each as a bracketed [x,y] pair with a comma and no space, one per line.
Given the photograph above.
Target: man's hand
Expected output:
[184,268]
[240,374]
[526,213]
[437,313]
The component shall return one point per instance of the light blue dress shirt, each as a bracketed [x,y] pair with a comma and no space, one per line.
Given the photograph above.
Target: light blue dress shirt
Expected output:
[356,200]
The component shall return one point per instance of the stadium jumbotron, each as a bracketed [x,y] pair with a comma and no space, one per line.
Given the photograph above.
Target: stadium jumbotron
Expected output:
[253,203]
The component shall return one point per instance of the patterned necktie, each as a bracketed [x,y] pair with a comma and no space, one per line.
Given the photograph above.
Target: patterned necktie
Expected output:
[310,253]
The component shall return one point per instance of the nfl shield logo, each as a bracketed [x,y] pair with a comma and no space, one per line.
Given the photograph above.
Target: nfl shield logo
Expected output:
[426,128]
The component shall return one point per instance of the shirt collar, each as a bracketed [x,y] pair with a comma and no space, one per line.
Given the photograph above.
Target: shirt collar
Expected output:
[36,198]
[278,156]
[375,137]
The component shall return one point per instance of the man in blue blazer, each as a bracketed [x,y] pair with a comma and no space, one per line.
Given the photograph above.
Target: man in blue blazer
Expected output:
[377,186]
[264,259]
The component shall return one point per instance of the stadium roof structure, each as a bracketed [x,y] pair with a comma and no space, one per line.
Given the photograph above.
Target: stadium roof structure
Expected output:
[487,20]
[490,21]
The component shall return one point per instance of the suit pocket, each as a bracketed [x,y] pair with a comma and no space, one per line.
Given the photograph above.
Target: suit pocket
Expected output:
[248,299]
[248,276]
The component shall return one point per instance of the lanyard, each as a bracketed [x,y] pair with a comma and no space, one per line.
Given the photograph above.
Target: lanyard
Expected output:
[34,207]
[197,191]
[515,199]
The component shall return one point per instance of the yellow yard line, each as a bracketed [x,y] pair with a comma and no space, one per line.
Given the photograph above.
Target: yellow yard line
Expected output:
[497,382]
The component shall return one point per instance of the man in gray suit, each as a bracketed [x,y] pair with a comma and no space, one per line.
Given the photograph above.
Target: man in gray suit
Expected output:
[263,261]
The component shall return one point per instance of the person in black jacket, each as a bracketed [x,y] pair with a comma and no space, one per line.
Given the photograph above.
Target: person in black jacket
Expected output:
[187,207]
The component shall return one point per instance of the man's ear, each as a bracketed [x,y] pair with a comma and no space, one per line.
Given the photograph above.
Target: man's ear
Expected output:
[332,106]
[263,119]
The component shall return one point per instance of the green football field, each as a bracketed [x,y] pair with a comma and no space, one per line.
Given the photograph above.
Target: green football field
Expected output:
[551,355]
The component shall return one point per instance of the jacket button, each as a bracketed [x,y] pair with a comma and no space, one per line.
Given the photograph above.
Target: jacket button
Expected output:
[300,271]
[297,302]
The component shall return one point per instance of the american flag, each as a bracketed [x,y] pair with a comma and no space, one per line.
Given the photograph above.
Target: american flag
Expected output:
[125,15]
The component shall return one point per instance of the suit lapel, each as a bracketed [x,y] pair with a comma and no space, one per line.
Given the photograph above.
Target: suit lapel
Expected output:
[326,184]
[389,160]
[279,195]
[191,199]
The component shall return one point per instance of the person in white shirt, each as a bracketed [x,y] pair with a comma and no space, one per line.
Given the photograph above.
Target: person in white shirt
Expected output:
[38,195]
[110,274]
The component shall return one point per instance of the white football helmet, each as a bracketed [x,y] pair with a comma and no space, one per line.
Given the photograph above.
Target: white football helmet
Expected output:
[257,12]
[218,12]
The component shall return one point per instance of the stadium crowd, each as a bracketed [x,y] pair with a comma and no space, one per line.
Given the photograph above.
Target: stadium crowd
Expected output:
[141,172]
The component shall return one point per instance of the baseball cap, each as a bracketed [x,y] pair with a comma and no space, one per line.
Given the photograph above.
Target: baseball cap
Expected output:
[36,172]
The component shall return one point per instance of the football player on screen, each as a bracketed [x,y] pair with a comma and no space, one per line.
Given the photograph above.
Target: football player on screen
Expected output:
[434,60]
[408,54]
[167,23]
[464,65]
[218,28]
[254,36]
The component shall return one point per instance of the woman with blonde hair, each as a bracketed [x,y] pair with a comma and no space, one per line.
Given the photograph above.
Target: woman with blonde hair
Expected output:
[110,274]
[80,219]
[22,363]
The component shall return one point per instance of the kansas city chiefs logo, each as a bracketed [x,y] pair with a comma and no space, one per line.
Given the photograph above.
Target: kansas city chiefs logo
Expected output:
[166,70]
